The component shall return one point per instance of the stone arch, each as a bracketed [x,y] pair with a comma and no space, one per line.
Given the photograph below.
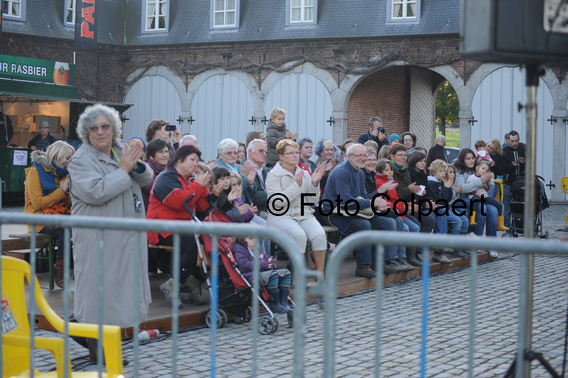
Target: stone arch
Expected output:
[166,73]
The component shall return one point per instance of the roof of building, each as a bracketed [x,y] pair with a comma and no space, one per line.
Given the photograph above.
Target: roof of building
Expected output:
[120,22]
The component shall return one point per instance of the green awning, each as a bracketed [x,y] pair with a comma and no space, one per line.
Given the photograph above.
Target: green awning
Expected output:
[27,89]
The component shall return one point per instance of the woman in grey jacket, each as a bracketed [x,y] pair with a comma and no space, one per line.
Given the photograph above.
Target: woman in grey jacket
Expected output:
[487,216]
[106,176]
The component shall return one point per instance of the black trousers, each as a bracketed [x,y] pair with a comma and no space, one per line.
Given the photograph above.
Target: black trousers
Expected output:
[188,256]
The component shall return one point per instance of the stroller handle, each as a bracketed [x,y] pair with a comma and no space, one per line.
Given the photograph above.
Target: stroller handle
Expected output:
[186,207]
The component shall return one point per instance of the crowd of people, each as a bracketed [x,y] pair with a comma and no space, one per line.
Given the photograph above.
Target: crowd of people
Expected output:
[380,182]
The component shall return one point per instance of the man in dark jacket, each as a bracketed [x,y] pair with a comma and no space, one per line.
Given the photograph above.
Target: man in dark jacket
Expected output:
[376,133]
[347,184]
[43,140]
[514,156]
[254,174]
[6,128]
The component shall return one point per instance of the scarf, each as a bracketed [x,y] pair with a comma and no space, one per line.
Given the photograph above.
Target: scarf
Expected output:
[402,169]
[47,178]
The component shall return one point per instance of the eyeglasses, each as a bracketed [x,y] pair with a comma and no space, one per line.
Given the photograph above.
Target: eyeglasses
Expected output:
[95,128]
[261,150]
[231,153]
[400,155]
[164,151]
[359,155]
[291,153]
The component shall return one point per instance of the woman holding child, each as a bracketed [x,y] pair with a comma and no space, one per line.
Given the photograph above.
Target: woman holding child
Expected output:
[288,179]
[465,167]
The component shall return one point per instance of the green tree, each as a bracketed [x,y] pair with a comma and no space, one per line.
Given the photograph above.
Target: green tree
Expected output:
[447,106]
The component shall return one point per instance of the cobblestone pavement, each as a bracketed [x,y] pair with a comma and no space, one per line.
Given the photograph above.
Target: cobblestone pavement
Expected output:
[448,332]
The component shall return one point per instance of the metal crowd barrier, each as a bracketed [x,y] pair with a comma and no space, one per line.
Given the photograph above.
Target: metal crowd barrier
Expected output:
[380,239]
[99,224]
[329,290]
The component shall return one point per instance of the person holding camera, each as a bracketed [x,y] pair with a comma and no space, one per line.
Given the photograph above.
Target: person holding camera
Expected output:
[159,128]
[106,175]
[376,133]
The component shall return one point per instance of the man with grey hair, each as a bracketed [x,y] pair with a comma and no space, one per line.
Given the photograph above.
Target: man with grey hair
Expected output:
[228,150]
[254,174]
[189,140]
[347,183]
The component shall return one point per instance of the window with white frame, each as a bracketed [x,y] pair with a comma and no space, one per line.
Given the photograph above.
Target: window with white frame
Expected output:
[12,8]
[70,12]
[302,11]
[156,15]
[404,9]
[225,13]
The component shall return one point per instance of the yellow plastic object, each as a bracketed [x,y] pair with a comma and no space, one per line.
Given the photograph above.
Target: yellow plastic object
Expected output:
[16,329]
[565,189]
[499,196]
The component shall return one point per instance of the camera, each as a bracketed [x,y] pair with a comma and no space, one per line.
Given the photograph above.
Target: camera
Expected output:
[170,127]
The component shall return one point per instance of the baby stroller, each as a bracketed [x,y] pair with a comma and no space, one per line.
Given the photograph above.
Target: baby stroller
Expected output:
[518,207]
[235,293]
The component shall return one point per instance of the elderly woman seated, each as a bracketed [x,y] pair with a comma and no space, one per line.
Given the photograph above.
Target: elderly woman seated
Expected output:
[228,151]
[329,154]
[291,181]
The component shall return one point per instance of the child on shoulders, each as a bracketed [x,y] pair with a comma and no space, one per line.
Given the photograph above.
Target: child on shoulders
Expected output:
[275,132]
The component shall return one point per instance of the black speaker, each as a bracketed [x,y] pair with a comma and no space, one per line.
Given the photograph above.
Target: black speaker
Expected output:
[513,31]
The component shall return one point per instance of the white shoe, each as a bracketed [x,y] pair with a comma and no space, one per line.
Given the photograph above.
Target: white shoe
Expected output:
[493,254]
[471,235]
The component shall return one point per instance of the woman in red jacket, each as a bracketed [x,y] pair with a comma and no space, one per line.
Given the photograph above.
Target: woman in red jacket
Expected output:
[171,188]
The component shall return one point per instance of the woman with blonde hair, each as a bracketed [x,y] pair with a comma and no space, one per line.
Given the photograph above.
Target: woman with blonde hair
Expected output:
[291,181]
[47,192]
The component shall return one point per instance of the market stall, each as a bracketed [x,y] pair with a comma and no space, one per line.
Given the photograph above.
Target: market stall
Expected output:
[33,91]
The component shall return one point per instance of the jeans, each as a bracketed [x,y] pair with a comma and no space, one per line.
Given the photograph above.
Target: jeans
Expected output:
[458,224]
[489,221]
[412,227]
[57,232]
[400,226]
[493,192]
[365,254]
[507,204]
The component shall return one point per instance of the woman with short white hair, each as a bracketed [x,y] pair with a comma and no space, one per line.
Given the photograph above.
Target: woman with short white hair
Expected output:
[106,175]
[228,151]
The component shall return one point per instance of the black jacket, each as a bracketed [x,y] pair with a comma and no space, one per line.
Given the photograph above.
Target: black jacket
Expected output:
[510,155]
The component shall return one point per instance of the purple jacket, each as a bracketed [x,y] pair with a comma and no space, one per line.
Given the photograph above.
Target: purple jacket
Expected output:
[245,260]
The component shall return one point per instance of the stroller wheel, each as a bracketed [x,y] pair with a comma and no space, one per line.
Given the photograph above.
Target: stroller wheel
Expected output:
[248,314]
[209,317]
[224,318]
[290,319]
[239,319]
[267,325]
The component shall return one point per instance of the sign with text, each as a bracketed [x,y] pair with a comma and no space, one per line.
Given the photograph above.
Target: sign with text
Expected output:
[20,157]
[85,25]
[45,71]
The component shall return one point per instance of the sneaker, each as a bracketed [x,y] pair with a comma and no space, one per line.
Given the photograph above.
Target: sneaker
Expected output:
[471,235]
[193,287]
[442,259]
[399,265]
[460,254]
[365,271]
[493,254]
[407,267]
[389,268]
[168,290]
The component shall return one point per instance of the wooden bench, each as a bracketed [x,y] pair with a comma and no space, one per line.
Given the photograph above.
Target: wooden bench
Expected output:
[23,241]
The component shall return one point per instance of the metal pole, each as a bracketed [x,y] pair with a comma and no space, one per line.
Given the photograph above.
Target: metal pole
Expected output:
[527,260]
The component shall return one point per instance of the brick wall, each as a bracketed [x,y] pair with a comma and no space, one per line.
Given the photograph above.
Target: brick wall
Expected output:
[384,94]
